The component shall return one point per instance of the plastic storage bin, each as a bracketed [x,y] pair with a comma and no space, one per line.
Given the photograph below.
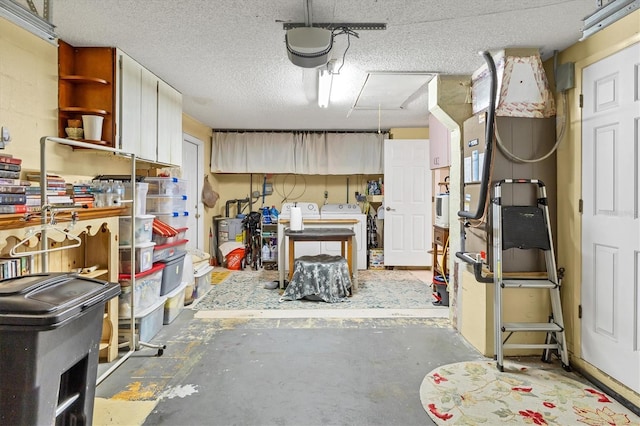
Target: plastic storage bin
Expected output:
[160,240]
[141,197]
[166,203]
[172,274]
[50,331]
[166,186]
[165,251]
[147,290]
[174,219]
[148,323]
[143,229]
[174,304]
[201,284]
[144,258]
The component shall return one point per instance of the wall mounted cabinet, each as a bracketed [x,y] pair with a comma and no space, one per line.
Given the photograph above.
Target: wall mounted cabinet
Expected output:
[142,114]
[149,112]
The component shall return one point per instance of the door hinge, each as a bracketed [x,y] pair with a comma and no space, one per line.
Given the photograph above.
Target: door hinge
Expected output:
[579,311]
[581,100]
[580,205]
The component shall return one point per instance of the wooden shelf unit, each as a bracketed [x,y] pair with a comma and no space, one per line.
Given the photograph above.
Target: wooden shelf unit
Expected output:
[86,85]
[98,229]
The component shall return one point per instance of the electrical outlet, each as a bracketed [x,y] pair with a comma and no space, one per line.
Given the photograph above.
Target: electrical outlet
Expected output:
[268,188]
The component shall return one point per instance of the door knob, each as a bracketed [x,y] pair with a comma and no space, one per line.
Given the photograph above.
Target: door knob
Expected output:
[390,209]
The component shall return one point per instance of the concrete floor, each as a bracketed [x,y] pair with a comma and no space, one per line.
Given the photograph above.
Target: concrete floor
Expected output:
[279,371]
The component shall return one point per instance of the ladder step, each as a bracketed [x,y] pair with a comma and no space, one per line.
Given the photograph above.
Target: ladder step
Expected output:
[528,284]
[531,346]
[531,326]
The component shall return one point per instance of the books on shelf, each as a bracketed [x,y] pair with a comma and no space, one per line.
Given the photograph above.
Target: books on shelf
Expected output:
[13,192]
[11,267]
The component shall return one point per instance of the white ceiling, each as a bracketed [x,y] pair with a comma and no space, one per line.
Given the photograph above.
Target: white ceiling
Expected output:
[229,60]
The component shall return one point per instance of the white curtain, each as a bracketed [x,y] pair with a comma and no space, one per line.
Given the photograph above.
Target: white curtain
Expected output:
[252,152]
[323,153]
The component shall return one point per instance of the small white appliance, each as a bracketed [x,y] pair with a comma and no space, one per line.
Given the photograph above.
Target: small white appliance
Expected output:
[442,210]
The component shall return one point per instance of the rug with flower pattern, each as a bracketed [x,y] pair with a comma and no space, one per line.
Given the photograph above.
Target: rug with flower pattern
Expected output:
[476,393]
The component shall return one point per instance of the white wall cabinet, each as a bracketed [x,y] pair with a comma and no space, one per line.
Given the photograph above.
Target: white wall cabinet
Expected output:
[149,114]
[169,124]
[439,144]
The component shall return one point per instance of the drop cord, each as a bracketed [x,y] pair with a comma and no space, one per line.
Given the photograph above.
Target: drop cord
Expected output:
[517,159]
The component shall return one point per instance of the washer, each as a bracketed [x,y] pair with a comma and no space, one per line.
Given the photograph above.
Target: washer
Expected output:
[347,211]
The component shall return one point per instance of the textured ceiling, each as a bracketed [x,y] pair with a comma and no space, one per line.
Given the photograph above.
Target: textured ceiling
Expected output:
[229,60]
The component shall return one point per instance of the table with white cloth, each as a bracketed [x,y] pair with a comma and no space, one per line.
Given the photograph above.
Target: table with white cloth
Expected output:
[320,277]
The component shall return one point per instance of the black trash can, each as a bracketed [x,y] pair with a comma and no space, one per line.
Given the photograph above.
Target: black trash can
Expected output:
[50,331]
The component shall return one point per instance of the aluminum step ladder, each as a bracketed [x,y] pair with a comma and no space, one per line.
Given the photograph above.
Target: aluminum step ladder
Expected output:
[526,228]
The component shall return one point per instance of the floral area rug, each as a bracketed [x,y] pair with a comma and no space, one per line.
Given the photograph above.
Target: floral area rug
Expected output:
[383,289]
[476,393]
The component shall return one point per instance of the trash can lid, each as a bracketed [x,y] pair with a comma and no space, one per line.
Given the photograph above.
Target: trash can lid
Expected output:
[50,299]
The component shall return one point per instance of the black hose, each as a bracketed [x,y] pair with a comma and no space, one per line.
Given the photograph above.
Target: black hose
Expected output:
[486,170]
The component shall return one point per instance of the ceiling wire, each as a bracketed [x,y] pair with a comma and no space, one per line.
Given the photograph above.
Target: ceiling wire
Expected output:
[349,33]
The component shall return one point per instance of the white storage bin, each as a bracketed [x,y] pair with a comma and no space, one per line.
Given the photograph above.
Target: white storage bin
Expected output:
[143,229]
[174,219]
[144,257]
[166,203]
[174,304]
[162,252]
[148,323]
[166,186]
[141,197]
[201,284]
[148,285]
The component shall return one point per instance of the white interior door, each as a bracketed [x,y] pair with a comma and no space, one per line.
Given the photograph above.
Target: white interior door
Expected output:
[193,172]
[610,223]
[407,202]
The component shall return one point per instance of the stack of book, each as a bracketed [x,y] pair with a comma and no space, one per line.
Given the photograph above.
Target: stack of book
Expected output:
[56,191]
[13,197]
[82,194]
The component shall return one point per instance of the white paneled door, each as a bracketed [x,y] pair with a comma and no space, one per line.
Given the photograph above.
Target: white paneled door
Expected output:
[193,172]
[407,202]
[610,222]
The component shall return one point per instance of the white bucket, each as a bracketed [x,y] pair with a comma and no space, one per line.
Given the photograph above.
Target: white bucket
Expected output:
[92,127]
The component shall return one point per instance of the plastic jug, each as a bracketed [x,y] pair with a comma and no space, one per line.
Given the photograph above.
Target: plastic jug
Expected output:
[266,215]
[274,214]
[266,253]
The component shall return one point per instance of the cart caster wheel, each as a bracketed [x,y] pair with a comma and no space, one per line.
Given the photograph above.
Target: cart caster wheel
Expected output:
[160,352]
[566,367]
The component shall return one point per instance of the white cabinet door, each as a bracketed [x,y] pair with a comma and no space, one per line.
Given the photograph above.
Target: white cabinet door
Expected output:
[169,124]
[149,116]
[128,97]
